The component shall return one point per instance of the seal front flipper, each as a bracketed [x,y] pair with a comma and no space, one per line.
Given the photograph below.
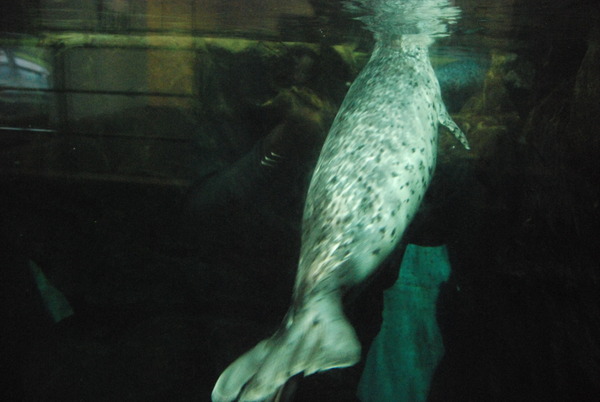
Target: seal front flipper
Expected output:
[448,122]
[312,338]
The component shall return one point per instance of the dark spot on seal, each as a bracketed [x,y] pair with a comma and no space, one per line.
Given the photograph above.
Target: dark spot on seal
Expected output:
[366,204]
[394,232]
[413,150]
[376,251]
[382,230]
[316,322]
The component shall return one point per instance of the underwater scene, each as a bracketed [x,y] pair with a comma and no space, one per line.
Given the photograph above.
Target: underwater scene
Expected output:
[300,200]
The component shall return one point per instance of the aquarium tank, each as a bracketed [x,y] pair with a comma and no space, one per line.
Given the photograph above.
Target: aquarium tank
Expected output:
[177,175]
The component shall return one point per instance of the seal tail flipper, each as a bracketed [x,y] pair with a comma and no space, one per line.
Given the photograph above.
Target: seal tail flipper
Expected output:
[446,120]
[316,339]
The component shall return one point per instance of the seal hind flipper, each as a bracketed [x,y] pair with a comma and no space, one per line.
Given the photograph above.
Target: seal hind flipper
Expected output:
[448,122]
[239,373]
[312,339]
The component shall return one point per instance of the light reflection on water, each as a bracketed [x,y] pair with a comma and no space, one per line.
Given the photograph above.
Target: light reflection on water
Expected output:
[482,23]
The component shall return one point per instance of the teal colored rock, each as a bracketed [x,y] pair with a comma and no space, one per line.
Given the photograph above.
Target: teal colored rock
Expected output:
[405,353]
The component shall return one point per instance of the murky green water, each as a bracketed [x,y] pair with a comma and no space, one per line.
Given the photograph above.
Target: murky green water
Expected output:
[146,242]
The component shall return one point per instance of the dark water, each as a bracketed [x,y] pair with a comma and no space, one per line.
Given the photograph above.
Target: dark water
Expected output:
[131,135]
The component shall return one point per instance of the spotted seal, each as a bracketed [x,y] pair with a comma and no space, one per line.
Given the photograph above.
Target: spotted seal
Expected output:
[371,176]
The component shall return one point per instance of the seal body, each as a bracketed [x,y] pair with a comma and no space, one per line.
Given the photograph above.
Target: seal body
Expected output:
[375,166]
[371,176]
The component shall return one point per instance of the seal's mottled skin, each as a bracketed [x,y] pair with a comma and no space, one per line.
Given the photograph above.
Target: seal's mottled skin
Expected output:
[374,168]
[371,176]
